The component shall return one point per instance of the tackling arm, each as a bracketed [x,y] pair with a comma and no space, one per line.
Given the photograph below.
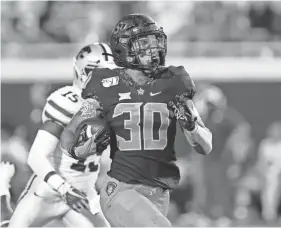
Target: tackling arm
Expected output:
[56,115]
[43,146]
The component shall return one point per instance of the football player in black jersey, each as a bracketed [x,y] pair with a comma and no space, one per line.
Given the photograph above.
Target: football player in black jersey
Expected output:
[141,101]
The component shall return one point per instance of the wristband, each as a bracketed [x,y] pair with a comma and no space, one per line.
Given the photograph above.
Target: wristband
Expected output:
[54,180]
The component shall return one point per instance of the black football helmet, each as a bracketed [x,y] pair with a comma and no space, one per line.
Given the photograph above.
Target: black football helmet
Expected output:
[137,42]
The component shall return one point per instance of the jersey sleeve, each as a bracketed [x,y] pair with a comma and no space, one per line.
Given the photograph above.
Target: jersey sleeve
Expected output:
[100,79]
[186,85]
[97,87]
[61,105]
[93,84]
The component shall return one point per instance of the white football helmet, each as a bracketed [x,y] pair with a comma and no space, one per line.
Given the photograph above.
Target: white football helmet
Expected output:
[89,57]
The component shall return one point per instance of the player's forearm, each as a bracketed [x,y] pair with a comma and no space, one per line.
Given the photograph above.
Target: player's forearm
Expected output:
[200,139]
[43,146]
[40,166]
[38,159]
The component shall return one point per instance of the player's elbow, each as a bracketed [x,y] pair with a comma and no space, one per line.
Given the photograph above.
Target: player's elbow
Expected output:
[32,156]
[32,160]
[35,159]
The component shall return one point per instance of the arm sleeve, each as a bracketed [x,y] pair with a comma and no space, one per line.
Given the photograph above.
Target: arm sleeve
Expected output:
[201,137]
[185,85]
[44,144]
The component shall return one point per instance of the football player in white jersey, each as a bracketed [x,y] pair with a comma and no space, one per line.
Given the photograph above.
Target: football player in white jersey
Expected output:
[62,187]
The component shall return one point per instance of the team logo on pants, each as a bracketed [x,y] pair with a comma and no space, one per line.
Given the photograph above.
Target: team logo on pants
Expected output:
[110,187]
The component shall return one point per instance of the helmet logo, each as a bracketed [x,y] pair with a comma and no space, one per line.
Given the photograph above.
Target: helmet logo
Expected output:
[86,49]
[121,26]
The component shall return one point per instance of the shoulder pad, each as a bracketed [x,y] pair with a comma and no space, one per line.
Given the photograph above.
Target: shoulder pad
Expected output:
[62,105]
[98,74]
[180,73]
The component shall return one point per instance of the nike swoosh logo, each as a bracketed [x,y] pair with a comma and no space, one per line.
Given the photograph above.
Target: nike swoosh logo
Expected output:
[154,94]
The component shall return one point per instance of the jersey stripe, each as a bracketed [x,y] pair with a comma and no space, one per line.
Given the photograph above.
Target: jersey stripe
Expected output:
[56,114]
[48,115]
[52,127]
[60,109]
[105,52]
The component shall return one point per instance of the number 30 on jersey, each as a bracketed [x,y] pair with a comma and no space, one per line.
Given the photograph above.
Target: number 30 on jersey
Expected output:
[147,131]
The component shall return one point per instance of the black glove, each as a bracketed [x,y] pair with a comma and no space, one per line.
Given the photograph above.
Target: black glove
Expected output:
[182,112]
[102,139]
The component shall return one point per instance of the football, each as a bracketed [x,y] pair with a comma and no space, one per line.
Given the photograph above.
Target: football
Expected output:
[88,131]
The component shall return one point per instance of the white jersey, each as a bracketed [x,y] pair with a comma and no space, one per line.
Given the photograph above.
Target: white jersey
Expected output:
[60,107]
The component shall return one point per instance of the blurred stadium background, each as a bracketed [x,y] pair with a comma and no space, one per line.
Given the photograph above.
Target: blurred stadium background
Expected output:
[231,49]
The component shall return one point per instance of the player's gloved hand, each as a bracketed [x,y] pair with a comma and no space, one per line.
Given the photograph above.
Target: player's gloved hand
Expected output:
[97,143]
[74,198]
[102,140]
[179,106]
[7,171]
